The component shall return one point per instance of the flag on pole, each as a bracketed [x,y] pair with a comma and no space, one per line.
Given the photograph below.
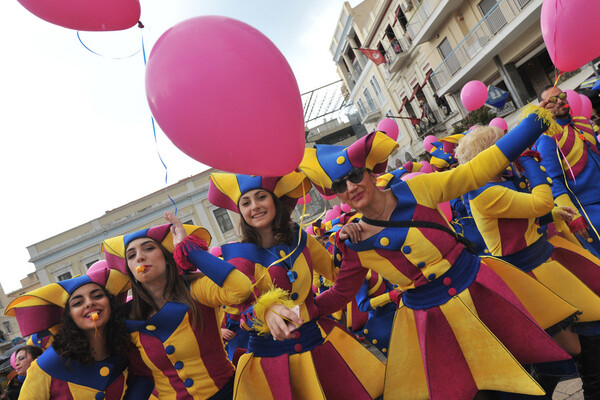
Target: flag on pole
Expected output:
[373,55]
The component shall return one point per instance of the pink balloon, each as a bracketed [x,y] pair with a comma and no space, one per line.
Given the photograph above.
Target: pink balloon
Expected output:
[13,359]
[574,102]
[586,106]
[428,142]
[406,177]
[330,197]
[426,167]
[345,208]
[88,15]
[389,127]
[473,95]
[569,29]
[304,200]
[216,251]
[331,214]
[226,96]
[499,122]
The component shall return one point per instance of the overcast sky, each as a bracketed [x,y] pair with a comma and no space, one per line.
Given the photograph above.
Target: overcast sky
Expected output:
[75,125]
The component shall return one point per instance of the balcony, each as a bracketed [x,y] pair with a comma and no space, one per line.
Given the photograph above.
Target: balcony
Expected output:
[427,17]
[397,54]
[368,111]
[500,27]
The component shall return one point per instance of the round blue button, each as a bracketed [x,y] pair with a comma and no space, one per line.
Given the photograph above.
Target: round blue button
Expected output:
[421,264]
[406,249]
[178,365]
[294,296]
[295,274]
[100,396]
[540,230]
[188,382]
[431,277]
[169,349]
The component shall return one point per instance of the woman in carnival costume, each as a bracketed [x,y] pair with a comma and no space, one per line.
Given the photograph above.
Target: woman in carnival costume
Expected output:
[21,361]
[88,356]
[173,319]
[506,213]
[463,325]
[288,355]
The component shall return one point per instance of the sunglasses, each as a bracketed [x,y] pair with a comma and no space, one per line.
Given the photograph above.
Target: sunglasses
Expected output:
[355,176]
[561,96]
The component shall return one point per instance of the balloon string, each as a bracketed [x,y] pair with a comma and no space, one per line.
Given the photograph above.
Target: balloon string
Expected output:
[156,142]
[140,25]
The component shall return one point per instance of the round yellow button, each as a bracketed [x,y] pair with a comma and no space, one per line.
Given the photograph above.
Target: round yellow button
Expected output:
[338,257]
[384,241]
[366,331]
[549,180]
[151,327]
[374,341]
[590,240]
[104,371]
[522,185]
[384,350]
[542,168]
[341,159]
[281,253]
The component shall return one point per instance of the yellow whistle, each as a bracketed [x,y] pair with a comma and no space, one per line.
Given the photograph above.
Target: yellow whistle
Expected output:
[94,316]
[141,268]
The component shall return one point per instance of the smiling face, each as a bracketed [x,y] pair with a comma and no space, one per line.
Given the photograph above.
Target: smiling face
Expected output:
[258,209]
[556,105]
[85,302]
[146,260]
[22,362]
[359,195]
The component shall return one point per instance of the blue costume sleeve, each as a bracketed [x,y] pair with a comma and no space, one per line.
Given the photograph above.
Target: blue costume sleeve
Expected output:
[362,298]
[521,136]
[138,388]
[546,146]
[533,172]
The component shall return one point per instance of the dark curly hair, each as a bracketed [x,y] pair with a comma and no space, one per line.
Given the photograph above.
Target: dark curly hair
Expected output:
[33,351]
[282,225]
[71,343]
[142,305]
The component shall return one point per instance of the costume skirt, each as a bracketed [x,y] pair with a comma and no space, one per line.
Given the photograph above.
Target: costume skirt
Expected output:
[308,367]
[476,336]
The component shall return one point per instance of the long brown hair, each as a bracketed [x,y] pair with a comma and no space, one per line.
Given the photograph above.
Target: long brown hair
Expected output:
[281,225]
[176,289]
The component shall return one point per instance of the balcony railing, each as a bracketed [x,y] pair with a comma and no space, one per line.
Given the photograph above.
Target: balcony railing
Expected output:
[368,111]
[397,53]
[494,22]
[420,17]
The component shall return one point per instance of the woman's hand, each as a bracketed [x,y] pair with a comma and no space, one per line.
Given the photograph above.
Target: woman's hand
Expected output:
[282,321]
[176,229]
[352,231]
[563,213]
[227,334]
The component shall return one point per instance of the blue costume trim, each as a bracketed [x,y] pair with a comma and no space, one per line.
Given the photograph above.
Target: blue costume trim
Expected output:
[264,346]
[531,256]
[435,293]
[213,267]
[166,321]
[135,235]
[521,136]
[85,375]
[533,172]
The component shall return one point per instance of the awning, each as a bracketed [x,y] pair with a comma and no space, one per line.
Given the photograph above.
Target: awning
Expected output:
[414,92]
[427,77]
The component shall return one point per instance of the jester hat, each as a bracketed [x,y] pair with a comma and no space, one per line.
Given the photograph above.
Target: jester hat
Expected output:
[439,158]
[43,308]
[114,248]
[225,190]
[325,163]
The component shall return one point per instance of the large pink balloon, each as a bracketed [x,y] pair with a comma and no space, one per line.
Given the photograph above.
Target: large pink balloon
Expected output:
[304,200]
[226,96]
[87,15]
[570,31]
[574,102]
[428,142]
[345,208]
[586,106]
[473,95]
[389,127]
[499,122]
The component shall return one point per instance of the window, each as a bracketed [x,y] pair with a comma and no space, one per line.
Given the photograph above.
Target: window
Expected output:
[369,100]
[88,265]
[223,220]
[188,222]
[378,92]
[63,277]
[449,57]
[7,326]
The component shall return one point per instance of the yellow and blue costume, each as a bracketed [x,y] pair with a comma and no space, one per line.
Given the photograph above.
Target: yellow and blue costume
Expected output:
[185,361]
[463,324]
[52,376]
[308,365]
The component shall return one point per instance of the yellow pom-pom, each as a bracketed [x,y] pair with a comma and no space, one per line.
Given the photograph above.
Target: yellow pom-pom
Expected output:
[264,302]
[94,316]
[140,268]
[543,115]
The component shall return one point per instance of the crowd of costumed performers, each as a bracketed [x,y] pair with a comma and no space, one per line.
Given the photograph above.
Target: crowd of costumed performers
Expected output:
[469,276]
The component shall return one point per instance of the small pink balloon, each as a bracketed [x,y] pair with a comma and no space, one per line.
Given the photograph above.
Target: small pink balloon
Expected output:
[88,15]
[389,127]
[473,95]
[226,96]
[428,142]
[569,29]
[13,359]
[329,215]
[330,197]
[426,167]
[574,102]
[406,177]
[499,122]
[345,208]
[216,251]
[586,106]
[304,200]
